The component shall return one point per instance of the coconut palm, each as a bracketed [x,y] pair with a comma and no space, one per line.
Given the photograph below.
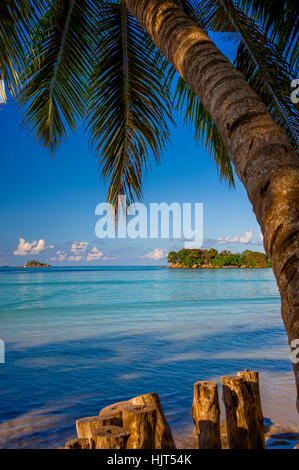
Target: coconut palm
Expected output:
[115,63]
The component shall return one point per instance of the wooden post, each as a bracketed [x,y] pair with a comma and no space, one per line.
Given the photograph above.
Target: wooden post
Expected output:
[86,427]
[140,421]
[234,396]
[115,409]
[255,418]
[163,434]
[79,444]
[206,415]
[110,437]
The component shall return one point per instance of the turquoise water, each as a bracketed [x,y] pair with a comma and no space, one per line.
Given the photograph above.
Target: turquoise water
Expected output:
[78,339]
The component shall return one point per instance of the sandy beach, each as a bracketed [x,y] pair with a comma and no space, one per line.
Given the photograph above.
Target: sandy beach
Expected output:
[281,418]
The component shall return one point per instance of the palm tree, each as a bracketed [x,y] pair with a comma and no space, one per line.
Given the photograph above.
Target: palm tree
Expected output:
[259,149]
[112,62]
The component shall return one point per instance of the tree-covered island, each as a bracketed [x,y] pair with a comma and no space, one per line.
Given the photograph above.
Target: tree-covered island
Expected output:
[35,264]
[196,258]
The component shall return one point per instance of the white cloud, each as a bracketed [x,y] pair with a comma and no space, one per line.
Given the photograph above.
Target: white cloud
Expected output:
[61,256]
[95,254]
[75,258]
[261,236]
[26,248]
[246,238]
[155,255]
[78,248]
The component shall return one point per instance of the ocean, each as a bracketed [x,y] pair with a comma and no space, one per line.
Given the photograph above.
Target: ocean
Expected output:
[78,339]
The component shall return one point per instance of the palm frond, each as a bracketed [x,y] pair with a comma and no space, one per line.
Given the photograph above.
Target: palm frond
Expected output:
[212,17]
[265,69]
[205,129]
[129,112]
[191,8]
[17,20]
[280,20]
[55,92]
[261,61]
[188,105]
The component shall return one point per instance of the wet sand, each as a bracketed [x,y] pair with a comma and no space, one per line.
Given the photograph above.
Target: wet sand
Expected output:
[279,408]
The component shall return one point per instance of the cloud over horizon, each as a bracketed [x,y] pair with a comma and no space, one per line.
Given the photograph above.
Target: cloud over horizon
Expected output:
[246,238]
[79,248]
[156,254]
[27,248]
[61,256]
[94,254]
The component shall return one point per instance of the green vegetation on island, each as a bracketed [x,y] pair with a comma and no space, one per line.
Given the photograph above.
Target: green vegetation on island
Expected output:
[196,258]
[35,264]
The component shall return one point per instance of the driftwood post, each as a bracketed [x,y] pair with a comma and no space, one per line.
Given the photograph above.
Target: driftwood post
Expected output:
[111,437]
[163,434]
[141,421]
[115,409]
[255,418]
[87,427]
[206,415]
[234,397]
[79,444]
[163,438]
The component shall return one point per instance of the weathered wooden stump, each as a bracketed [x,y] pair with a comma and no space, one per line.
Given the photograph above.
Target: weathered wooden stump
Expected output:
[141,421]
[163,435]
[79,444]
[206,414]
[86,427]
[234,397]
[163,438]
[255,418]
[110,437]
[115,409]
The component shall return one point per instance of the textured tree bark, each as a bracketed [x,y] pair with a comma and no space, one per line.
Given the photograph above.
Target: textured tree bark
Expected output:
[260,150]
[234,397]
[87,427]
[146,408]
[115,410]
[140,421]
[163,434]
[110,437]
[206,415]
[79,444]
[255,418]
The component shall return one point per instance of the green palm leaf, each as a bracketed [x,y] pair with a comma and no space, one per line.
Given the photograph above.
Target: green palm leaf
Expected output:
[265,69]
[204,128]
[280,19]
[55,91]
[129,112]
[259,59]
[17,20]
[188,105]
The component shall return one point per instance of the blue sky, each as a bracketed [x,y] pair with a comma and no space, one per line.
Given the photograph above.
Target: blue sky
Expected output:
[49,203]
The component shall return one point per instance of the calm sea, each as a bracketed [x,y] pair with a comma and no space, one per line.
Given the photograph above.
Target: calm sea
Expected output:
[78,339]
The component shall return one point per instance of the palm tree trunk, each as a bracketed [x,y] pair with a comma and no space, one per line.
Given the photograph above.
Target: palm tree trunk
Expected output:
[263,158]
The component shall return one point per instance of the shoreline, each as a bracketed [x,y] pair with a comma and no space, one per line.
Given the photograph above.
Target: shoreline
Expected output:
[198,266]
[278,403]
[278,397]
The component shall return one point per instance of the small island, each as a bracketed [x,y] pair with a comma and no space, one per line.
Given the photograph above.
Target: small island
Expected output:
[35,264]
[212,259]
